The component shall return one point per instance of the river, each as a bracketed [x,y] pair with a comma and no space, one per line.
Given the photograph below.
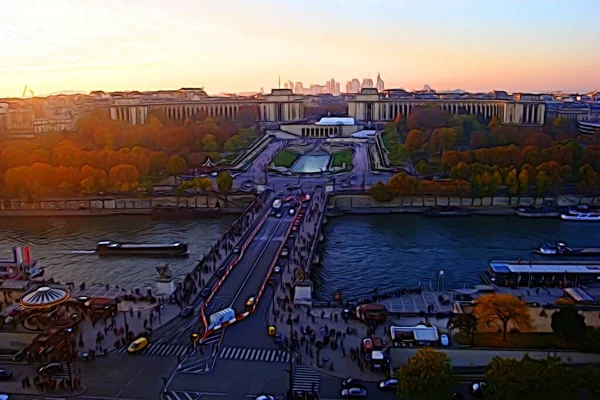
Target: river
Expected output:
[58,245]
[387,252]
[359,252]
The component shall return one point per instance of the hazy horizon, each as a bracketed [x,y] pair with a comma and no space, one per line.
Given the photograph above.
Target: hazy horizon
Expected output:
[232,47]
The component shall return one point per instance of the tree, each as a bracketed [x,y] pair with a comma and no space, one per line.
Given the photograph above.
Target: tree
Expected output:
[158,161]
[569,323]
[427,376]
[414,140]
[478,139]
[501,309]
[542,182]
[176,165]
[512,181]
[523,181]
[466,323]
[427,117]
[590,378]
[381,192]
[494,122]
[422,167]
[224,182]
[525,379]
[124,177]
[209,143]
[403,184]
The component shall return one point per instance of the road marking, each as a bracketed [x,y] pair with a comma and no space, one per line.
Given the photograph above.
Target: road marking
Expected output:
[253,354]
[255,263]
[305,379]
[159,349]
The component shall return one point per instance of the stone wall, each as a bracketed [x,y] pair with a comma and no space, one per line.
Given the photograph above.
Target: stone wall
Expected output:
[357,202]
[133,203]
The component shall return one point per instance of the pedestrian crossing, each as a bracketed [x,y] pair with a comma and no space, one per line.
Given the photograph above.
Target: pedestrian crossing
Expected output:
[181,395]
[249,354]
[306,379]
[159,349]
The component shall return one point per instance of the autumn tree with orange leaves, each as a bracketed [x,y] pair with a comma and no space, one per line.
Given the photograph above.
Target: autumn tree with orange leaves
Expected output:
[500,310]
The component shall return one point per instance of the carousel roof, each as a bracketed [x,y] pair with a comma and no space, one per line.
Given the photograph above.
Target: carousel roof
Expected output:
[44,297]
[208,163]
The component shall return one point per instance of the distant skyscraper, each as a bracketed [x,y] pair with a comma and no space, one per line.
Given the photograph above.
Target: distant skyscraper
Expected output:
[328,87]
[367,83]
[336,92]
[380,84]
[299,89]
[353,86]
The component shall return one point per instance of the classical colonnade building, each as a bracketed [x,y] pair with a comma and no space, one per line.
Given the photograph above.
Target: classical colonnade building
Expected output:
[371,106]
[282,106]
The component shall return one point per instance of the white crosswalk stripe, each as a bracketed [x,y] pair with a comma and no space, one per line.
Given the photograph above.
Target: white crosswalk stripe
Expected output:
[160,349]
[250,354]
[306,379]
[180,395]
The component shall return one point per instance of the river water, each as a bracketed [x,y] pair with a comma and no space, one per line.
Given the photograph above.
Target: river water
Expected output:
[359,252]
[59,245]
[399,250]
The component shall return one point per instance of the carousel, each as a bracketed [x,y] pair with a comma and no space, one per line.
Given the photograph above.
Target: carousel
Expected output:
[39,307]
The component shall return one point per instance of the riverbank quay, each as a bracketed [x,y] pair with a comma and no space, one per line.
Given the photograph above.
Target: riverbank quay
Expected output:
[126,205]
[498,205]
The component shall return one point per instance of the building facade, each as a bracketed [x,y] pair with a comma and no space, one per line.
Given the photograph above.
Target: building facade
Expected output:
[27,117]
[372,106]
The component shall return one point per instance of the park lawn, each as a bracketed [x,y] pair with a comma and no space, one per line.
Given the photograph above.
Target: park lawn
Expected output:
[341,157]
[285,158]
[517,340]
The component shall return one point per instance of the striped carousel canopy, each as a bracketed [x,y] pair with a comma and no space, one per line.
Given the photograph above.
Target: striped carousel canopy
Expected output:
[44,297]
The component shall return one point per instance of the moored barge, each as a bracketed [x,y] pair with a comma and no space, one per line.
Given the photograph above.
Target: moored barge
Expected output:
[112,248]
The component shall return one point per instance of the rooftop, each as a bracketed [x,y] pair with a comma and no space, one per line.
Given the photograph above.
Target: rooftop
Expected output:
[336,121]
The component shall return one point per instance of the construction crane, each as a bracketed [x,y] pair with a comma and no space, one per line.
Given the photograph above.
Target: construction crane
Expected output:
[25,91]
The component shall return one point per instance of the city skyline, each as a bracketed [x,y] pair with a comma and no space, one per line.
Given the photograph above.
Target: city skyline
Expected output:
[84,46]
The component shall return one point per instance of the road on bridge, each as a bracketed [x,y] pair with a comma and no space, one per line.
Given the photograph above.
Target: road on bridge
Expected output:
[247,276]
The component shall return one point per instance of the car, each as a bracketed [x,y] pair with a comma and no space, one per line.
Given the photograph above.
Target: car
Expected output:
[444,341]
[345,185]
[294,228]
[284,253]
[5,397]
[292,211]
[5,374]
[367,345]
[137,345]
[247,185]
[52,368]
[187,311]
[305,197]
[354,393]
[304,205]
[214,174]
[353,383]
[265,397]
[250,302]
[277,269]
[278,215]
[102,193]
[390,384]
[236,249]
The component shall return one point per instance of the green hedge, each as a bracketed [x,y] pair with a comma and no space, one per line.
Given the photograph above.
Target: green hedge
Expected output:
[285,158]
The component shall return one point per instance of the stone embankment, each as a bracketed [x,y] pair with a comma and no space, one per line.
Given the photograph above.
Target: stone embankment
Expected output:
[356,203]
[104,205]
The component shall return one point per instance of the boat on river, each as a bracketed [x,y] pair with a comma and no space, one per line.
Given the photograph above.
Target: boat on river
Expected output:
[112,248]
[585,217]
[446,212]
[547,210]
[561,249]
[171,212]
[584,209]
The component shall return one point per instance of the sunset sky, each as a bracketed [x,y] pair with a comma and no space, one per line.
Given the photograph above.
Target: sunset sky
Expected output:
[241,45]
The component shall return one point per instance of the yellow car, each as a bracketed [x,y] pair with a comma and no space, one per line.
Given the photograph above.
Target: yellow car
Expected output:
[250,302]
[137,345]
